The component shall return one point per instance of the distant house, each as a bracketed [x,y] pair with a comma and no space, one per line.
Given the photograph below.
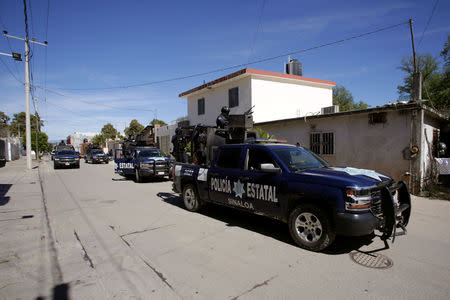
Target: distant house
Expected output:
[399,139]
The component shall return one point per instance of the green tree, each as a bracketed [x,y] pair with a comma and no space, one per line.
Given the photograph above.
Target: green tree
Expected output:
[343,98]
[435,84]
[109,132]
[159,122]
[42,141]
[134,128]
[99,139]
[18,122]
[4,119]
[3,124]
[426,64]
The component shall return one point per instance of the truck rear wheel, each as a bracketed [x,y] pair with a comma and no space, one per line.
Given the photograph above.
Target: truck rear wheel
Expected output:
[190,198]
[310,227]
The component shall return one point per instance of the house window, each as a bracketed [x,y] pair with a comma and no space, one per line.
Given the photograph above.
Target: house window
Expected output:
[201,106]
[322,143]
[233,97]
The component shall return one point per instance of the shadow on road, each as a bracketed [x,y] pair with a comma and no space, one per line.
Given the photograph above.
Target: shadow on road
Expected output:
[266,226]
[60,292]
[4,188]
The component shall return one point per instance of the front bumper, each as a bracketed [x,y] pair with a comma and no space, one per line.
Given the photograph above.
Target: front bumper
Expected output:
[100,159]
[349,224]
[70,163]
[154,172]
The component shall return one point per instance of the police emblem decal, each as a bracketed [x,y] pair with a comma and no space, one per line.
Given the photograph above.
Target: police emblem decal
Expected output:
[238,189]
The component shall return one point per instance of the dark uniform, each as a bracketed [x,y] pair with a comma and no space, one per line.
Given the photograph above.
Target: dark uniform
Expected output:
[179,145]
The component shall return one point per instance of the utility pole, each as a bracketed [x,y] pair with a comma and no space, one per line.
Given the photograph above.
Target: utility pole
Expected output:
[27,91]
[37,128]
[417,76]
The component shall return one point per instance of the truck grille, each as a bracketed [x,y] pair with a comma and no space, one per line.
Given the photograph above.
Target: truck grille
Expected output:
[376,208]
[376,204]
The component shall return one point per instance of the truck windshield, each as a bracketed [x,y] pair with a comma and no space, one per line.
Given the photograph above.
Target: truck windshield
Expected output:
[150,153]
[297,159]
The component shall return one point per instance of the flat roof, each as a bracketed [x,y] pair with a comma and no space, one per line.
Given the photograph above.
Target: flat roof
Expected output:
[388,107]
[248,72]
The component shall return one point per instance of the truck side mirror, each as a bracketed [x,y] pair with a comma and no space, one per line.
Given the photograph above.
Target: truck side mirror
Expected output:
[269,168]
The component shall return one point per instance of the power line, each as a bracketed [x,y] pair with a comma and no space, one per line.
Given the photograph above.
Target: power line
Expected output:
[9,70]
[9,44]
[257,29]
[94,103]
[239,65]
[428,23]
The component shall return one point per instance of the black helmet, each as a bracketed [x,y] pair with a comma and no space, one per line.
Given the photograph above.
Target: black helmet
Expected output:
[225,110]
[178,130]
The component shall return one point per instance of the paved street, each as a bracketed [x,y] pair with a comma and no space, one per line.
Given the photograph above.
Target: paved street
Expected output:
[90,234]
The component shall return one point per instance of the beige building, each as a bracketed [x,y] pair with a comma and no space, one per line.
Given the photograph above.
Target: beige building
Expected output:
[399,139]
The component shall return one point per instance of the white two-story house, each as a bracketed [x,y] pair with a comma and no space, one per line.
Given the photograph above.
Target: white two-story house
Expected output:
[273,96]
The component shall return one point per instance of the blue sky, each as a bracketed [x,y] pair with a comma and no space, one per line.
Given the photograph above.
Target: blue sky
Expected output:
[106,44]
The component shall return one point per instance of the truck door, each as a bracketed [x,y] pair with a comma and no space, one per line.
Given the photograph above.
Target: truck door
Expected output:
[224,174]
[262,189]
[123,162]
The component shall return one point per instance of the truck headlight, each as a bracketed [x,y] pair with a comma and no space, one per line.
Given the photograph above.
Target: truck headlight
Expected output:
[358,200]
[56,158]
[146,165]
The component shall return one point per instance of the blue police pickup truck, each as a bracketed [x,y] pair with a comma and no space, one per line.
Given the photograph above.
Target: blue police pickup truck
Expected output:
[293,185]
[142,162]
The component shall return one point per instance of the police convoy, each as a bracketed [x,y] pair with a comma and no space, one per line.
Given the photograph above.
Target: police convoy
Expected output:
[231,166]
[141,158]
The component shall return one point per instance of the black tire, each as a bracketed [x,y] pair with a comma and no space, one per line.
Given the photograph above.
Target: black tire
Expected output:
[77,166]
[137,176]
[55,166]
[310,227]
[190,198]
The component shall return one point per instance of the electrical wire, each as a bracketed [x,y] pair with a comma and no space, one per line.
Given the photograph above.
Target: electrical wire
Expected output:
[252,46]
[9,44]
[9,70]
[94,103]
[428,23]
[238,65]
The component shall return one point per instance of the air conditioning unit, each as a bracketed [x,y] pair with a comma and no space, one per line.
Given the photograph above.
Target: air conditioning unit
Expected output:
[330,110]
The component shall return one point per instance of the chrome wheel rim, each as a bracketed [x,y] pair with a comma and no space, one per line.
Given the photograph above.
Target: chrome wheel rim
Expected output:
[308,227]
[189,198]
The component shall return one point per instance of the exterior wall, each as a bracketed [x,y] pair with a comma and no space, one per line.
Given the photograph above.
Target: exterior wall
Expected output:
[274,99]
[428,171]
[77,138]
[357,143]
[164,135]
[283,99]
[215,98]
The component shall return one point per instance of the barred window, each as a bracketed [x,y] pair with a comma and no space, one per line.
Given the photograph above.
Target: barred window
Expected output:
[314,142]
[322,143]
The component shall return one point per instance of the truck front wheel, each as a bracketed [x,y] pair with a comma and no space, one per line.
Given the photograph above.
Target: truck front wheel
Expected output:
[310,227]
[190,198]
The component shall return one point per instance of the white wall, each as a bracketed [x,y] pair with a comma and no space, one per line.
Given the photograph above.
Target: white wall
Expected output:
[216,98]
[282,99]
[165,134]
[274,99]
[426,149]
